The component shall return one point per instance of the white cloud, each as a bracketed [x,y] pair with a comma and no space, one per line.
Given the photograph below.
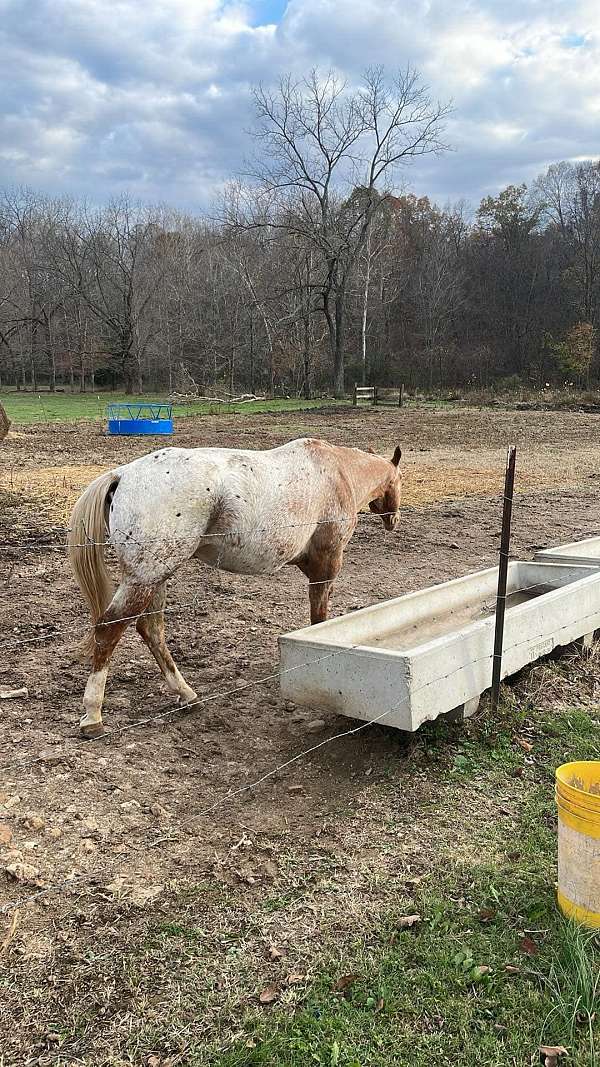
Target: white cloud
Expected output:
[153,95]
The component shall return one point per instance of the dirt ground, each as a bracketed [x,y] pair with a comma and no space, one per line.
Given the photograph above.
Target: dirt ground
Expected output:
[123,815]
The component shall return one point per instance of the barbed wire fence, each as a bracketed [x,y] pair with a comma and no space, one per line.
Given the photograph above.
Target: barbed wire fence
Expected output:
[167,711]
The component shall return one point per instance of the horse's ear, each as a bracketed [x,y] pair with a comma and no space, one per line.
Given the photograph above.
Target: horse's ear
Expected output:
[397,456]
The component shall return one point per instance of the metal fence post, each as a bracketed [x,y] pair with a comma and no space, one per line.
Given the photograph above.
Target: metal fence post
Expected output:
[509,483]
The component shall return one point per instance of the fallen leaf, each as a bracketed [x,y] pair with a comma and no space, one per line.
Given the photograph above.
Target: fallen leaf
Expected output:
[486,915]
[549,1054]
[510,969]
[525,745]
[153,1061]
[527,945]
[269,994]
[409,920]
[274,953]
[380,1004]
[294,979]
[344,983]
[480,971]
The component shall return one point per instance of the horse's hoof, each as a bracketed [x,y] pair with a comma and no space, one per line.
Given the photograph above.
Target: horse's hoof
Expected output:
[92,729]
[185,701]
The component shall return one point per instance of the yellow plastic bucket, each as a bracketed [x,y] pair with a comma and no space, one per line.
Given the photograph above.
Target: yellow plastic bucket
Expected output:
[578,803]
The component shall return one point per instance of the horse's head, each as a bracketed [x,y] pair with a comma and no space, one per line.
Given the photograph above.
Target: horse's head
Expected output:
[387,504]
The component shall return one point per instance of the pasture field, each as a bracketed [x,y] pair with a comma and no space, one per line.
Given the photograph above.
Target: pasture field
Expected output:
[386,899]
[28,408]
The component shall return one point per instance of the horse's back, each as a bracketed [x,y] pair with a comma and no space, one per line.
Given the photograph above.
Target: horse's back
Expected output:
[246,511]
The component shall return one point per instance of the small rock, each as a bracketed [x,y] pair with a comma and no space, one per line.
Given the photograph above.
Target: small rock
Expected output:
[33,821]
[5,835]
[53,832]
[295,789]
[51,758]
[130,805]
[6,693]
[315,725]
[22,872]
[91,823]
[12,802]
[88,845]
[159,811]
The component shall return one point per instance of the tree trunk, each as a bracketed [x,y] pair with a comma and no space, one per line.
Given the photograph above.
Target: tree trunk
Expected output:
[306,353]
[50,354]
[251,352]
[4,423]
[338,356]
[363,325]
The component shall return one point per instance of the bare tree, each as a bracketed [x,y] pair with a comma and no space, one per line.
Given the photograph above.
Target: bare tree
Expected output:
[325,151]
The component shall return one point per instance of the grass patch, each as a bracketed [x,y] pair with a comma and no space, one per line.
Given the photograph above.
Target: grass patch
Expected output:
[27,408]
[493,971]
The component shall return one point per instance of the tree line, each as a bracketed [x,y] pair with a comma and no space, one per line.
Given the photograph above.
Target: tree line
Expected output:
[312,273]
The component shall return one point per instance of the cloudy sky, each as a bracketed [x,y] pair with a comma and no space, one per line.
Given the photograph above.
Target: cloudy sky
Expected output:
[152,96]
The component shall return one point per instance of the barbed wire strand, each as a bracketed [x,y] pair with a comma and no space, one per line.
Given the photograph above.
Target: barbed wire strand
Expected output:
[166,711]
[86,878]
[58,632]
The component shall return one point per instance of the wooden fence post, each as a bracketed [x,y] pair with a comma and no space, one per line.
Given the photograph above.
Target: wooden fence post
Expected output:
[355,397]
[375,395]
[401,396]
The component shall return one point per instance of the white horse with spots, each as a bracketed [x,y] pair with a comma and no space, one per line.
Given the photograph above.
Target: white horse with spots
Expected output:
[245,512]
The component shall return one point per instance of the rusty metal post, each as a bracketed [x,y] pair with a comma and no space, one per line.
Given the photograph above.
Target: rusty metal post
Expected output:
[509,484]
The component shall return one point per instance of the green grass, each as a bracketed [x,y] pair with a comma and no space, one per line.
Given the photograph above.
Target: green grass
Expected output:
[27,408]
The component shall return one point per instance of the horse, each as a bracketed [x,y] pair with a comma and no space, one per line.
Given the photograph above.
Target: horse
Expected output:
[248,512]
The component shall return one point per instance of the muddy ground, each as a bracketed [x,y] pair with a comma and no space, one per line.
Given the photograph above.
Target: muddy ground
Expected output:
[123,816]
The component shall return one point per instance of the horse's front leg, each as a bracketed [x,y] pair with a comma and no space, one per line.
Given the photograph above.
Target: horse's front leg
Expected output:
[321,571]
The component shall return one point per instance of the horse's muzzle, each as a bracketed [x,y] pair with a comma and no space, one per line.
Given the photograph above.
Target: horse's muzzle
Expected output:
[390,522]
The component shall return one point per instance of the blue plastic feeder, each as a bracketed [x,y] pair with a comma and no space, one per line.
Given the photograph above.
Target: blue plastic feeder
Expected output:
[140,418]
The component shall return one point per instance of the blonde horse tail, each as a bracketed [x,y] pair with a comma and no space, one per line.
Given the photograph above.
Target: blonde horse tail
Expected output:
[85,541]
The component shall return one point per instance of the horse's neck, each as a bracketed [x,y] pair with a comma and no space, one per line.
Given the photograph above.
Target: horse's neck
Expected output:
[367,475]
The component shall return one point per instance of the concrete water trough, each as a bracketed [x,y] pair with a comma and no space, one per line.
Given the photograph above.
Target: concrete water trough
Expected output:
[430,653]
[584,552]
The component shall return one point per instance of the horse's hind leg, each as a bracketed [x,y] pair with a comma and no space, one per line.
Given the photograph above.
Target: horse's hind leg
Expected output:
[151,627]
[128,601]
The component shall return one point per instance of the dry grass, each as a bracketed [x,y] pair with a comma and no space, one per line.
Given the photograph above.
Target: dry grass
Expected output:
[54,489]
